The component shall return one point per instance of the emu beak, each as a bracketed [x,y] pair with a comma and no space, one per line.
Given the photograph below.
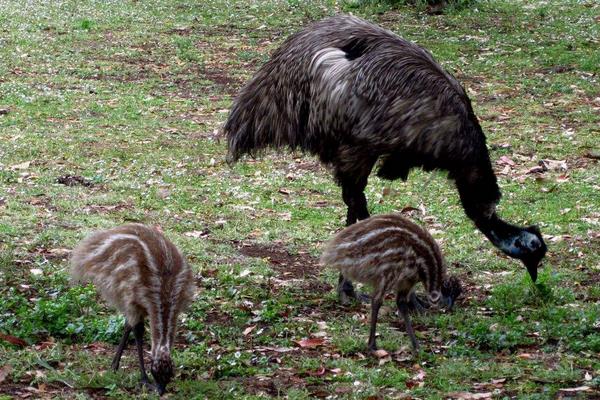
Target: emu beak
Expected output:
[532,269]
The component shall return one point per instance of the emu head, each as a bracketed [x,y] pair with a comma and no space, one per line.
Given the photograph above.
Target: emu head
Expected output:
[530,249]
[525,244]
[161,368]
[451,290]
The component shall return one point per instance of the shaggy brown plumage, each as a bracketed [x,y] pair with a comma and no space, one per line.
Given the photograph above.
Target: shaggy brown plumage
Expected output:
[391,253]
[353,93]
[140,272]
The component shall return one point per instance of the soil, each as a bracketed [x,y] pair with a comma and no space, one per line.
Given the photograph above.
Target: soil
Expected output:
[289,266]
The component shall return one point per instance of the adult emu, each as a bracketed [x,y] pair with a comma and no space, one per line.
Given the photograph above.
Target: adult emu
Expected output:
[353,93]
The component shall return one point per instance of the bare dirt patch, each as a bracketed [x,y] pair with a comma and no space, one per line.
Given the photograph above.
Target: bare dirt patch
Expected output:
[214,317]
[288,265]
[106,209]
[222,80]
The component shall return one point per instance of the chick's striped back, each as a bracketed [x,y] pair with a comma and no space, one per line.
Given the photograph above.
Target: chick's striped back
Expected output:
[386,246]
[140,272]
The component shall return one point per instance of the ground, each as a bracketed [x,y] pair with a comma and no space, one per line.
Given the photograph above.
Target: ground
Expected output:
[111,112]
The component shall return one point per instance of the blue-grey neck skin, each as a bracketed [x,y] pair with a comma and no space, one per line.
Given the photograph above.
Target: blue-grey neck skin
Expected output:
[523,243]
[515,245]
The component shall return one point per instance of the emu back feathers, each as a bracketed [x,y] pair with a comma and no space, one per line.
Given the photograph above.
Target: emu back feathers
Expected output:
[351,92]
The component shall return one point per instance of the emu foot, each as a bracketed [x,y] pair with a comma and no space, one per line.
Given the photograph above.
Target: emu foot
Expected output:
[145,383]
[417,305]
[347,298]
[347,294]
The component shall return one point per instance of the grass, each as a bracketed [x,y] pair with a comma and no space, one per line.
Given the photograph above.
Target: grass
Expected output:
[130,96]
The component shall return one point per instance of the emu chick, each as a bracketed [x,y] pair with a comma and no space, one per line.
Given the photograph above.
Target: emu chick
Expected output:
[140,272]
[391,253]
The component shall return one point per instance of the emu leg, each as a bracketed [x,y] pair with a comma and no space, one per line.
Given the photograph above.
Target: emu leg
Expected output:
[122,345]
[354,197]
[375,305]
[403,308]
[138,332]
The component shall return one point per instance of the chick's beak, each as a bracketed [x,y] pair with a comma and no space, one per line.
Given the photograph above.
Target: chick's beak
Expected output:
[160,388]
[450,303]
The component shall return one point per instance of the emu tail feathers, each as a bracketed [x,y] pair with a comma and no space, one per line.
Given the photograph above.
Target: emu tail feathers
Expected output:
[269,112]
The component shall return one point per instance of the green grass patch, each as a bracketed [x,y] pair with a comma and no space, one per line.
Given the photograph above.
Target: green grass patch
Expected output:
[131,97]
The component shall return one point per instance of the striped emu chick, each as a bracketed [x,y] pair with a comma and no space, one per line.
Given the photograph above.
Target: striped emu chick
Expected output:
[140,272]
[391,253]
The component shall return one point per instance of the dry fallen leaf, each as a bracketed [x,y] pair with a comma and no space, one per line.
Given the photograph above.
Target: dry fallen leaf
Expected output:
[60,252]
[408,209]
[13,340]
[554,165]
[275,349]
[469,396]
[417,379]
[507,161]
[248,330]
[196,234]
[44,345]
[318,372]
[23,165]
[96,347]
[310,343]
[562,178]
[286,216]
[380,353]
[575,389]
